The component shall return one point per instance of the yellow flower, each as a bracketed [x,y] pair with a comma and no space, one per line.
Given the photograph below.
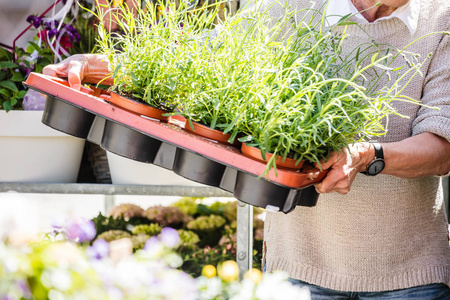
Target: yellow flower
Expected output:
[254,275]
[209,271]
[228,271]
[117,3]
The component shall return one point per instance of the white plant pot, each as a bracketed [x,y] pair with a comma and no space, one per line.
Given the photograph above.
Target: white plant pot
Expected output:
[34,152]
[127,171]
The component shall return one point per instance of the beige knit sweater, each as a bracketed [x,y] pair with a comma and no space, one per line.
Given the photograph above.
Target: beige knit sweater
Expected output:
[387,233]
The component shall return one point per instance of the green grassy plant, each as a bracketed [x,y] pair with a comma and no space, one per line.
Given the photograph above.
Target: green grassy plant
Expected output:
[281,84]
[288,89]
[240,51]
[154,49]
[310,99]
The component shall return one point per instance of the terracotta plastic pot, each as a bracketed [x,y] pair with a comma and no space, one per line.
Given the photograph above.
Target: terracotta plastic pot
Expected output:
[138,107]
[212,134]
[255,153]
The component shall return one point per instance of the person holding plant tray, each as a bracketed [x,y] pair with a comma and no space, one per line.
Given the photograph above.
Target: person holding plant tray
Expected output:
[379,230]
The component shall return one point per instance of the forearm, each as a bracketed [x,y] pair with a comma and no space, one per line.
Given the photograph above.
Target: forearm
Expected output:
[422,155]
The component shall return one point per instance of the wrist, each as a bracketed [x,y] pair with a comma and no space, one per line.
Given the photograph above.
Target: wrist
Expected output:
[377,164]
[367,154]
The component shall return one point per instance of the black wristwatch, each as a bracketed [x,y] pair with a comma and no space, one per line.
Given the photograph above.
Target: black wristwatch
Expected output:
[377,164]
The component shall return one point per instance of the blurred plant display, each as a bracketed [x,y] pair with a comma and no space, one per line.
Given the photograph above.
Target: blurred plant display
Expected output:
[69,263]
[207,232]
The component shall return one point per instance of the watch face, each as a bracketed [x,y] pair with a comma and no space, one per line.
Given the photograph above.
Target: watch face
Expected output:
[375,167]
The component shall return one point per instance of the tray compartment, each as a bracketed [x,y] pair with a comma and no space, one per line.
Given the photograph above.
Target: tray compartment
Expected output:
[67,118]
[198,168]
[129,143]
[271,196]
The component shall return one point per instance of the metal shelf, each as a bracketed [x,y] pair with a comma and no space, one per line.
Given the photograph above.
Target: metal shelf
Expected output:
[111,189]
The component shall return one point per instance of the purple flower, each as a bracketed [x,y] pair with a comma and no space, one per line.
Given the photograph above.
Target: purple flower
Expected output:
[51,25]
[98,250]
[30,18]
[70,28]
[151,243]
[72,33]
[81,231]
[24,288]
[52,32]
[36,21]
[169,237]
[77,37]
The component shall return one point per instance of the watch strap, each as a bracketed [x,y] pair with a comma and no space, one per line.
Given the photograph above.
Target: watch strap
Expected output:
[378,151]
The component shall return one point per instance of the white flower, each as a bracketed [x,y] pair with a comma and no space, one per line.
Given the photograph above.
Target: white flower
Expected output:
[58,279]
[246,291]
[209,288]
[173,260]
[275,286]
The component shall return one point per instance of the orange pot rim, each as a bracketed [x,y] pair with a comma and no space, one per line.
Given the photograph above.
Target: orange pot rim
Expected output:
[207,132]
[138,107]
[255,153]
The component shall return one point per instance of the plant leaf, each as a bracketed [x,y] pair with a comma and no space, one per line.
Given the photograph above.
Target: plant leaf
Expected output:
[374,57]
[357,54]
[9,85]
[117,70]
[347,23]
[245,139]
[229,127]
[5,54]
[5,92]
[343,18]
[133,76]
[33,47]
[8,65]
[21,94]
[171,83]
[6,106]
[17,77]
